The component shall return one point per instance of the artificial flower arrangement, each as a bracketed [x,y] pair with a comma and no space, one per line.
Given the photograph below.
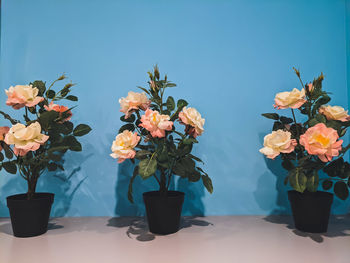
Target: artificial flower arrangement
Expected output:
[150,135]
[39,142]
[161,150]
[308,147]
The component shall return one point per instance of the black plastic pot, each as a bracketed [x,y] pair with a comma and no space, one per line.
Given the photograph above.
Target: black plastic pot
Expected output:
[30,217]
[311,210]
[163,212]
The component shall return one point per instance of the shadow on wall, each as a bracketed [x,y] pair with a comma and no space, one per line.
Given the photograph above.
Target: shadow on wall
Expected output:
[194,192]
[63,184]
[267,185]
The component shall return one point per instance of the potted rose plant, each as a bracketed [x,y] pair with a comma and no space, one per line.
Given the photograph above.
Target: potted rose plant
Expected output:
[309,148]
[150,136]
[35,145]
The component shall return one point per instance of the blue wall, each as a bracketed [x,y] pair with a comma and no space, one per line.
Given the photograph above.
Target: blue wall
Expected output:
[229,58]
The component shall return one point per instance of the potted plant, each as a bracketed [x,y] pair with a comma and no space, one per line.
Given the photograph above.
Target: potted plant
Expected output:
[34,146]
[161,150]
[311,151]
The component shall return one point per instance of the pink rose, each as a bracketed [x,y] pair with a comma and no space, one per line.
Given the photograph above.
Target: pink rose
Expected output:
[156,123]
[22,95]
[24,138]
[124,144]
[132,102]
[59,109]
[294,99]
[3,131]
[321,141]
[193,121]
[277,142]
[334,113]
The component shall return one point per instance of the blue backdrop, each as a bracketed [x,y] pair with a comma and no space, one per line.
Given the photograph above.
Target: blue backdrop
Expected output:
[229,58]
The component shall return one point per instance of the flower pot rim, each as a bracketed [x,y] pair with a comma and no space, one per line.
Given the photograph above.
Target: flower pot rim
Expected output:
[174,194]
[22,197]
[318,193]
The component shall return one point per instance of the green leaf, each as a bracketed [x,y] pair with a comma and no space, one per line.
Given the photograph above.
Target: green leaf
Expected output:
[286,120]
[8,152]
[312,122]
[1,157]
[321,118]
[58,149]
[134,174]
[40,85]
[312,183]
[129,127]
[130,119]
[73,143]
[54,157]
[47,117]
[147,167]
[144,90]
[207,183]
[142,154]
[170,103]
[189,141]
[286,179]
[181,103]
[10,167]
[81,130]
[72,98]
[195,158]
[277,125]
[272,116]
[327,184]
[50,94]
[341,190]
[169,85]
[333,168]
[194,176]
[297,180]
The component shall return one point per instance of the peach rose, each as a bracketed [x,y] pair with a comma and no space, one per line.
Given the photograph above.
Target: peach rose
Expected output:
[124,144]
[334,113]
[293,99]
[3,131]
[24,138]
[22,95]
[278,142]
[193,121]
[321,141]
[59,109]
[132,102]
[156,123]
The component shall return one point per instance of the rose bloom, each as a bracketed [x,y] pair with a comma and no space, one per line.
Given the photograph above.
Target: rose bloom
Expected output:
[193,121]
[22,95]
[334,113]
[321,141]
[310,87]
[24,138]
[132,102]
[156,123]
[293,99]
[278,142]
[124,144]
[60,109]
[3,131]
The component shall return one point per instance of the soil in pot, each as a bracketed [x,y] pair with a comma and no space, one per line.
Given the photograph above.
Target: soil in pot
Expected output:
[311,211]
[30,217]
[163,212]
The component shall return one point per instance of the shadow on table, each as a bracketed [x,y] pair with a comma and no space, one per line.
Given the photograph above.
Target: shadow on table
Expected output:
[6,228]
[137,226]
[339,226]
